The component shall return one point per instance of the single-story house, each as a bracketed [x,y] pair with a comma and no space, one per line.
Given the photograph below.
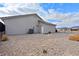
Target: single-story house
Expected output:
[22,24]
[75,28]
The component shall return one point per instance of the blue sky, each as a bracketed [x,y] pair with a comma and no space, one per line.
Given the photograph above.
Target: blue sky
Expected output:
[61,7]
[62,14]
[1,5]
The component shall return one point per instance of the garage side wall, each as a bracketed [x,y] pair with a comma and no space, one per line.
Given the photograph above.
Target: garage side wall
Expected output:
[45,28]
[21,25]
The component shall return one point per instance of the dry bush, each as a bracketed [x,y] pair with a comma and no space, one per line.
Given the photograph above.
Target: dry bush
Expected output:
[45,51]
[4,37]
[74,37]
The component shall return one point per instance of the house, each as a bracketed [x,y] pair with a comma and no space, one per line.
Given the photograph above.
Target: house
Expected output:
[64,29]
[29,23]
[75,28]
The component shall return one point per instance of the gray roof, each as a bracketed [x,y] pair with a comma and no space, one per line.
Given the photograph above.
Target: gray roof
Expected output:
[4,18]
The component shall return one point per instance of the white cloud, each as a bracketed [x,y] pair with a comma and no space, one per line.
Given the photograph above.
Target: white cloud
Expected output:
[17,8]
[69,19]
[23,8]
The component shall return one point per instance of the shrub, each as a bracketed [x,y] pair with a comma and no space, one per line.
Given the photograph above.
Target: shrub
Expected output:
[31,31]
[45,51]
[49,32]
[74,37]
[4,38]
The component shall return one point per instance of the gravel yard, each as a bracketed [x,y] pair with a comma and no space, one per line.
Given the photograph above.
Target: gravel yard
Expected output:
[56,44]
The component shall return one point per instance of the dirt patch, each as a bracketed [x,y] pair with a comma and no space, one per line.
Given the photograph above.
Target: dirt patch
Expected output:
[56,44]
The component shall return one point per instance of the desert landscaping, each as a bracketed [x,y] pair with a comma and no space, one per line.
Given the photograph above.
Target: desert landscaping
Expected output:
[55,44]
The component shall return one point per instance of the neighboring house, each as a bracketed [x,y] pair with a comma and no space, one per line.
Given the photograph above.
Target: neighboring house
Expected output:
[75,28]
[64,29]
[21,24]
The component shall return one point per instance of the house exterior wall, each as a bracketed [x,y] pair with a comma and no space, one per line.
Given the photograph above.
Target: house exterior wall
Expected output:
[21,25]
[45,28]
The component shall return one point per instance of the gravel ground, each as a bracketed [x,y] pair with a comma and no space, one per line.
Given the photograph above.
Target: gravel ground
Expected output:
[56,44]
